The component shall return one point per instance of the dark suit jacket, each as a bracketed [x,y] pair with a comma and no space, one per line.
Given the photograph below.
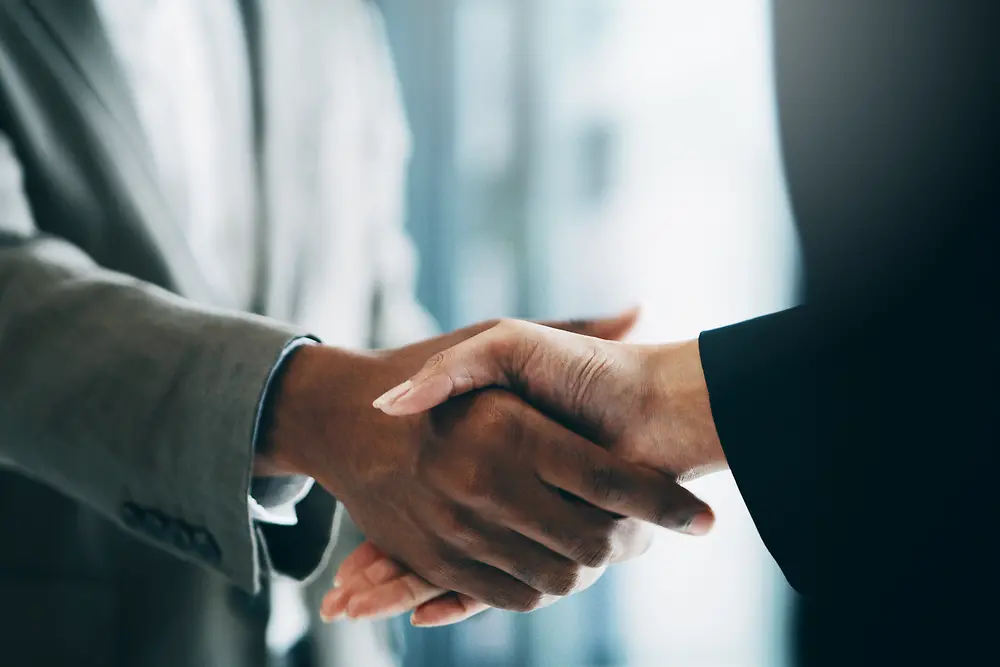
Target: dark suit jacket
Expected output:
[861,427]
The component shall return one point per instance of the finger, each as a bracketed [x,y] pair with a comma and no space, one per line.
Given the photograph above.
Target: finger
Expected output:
[336,601]
[517,523]
[445,610]
[392,598]
[358,561]
[607,328]
[577,531]
[454,608]
[587,471]
[585,532]
[526,560]
[487,585]
[332,606]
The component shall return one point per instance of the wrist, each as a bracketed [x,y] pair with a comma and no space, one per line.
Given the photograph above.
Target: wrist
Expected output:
[316,398]
[681,396]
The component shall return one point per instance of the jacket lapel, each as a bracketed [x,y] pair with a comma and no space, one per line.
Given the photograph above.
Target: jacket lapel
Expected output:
[276,34]
[76,34]
[75,28]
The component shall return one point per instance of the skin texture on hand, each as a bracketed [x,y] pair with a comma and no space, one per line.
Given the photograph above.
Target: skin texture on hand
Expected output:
[485,495]
[371,585]
[649,404]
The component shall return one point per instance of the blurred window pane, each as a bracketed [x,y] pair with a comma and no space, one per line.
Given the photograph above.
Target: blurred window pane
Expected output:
[573,157]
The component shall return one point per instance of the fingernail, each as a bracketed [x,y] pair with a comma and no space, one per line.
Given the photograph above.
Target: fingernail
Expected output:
[331,602]
[700,524]
[387,399]
[338,582]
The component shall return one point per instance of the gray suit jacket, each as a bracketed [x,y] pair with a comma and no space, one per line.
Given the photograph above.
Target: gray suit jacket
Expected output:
[128,390]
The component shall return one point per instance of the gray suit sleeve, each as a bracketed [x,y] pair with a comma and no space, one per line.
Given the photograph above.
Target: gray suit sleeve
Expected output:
[132,400]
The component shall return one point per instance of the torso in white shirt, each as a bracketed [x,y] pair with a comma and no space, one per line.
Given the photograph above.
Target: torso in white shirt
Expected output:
[187,67]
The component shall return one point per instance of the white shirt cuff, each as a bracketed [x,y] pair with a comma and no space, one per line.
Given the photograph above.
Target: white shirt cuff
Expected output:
[273,500]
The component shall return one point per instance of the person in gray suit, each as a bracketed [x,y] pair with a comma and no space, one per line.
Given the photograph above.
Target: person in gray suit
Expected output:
[192,195]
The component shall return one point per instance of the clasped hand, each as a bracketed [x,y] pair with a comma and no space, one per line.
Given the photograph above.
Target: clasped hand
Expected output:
[469,482]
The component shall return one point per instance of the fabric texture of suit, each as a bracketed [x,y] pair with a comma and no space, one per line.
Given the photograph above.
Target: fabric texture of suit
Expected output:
[861,426]
[129,389]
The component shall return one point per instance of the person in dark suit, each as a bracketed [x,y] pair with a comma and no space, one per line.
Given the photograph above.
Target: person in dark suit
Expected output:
[861,426]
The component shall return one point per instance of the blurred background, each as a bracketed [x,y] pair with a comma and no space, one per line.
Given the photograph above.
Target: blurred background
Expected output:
[572,157]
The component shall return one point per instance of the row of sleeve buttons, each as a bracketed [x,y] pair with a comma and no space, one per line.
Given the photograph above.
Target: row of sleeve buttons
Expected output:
[162,528]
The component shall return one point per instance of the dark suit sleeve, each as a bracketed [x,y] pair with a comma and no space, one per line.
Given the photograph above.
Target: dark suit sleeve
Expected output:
[862,436]
[861,426]
[763,416]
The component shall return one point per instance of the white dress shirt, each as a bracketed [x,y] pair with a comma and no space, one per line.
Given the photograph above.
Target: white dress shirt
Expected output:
[187,67]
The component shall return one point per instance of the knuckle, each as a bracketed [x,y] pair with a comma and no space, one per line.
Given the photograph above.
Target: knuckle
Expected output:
[564,582]
[512,595]
[532,600]
[488,409]
[436,361]
[500,599]
[509,325]
[526,601]
[498,347]
[447,573]
[518,345]
[634,536]
[479,481]
[470,540]
[496,415]
[595,553]
[625,528]
[499,404]
[432,468]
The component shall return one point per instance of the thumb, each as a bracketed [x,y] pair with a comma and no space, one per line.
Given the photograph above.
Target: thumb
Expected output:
[502,356]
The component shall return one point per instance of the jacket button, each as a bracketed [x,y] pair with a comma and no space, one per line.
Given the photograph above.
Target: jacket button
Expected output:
[205,547]
[156,525]
[132,515]
[180,536]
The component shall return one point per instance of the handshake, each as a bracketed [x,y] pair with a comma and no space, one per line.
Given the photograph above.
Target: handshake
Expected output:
[517,462]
